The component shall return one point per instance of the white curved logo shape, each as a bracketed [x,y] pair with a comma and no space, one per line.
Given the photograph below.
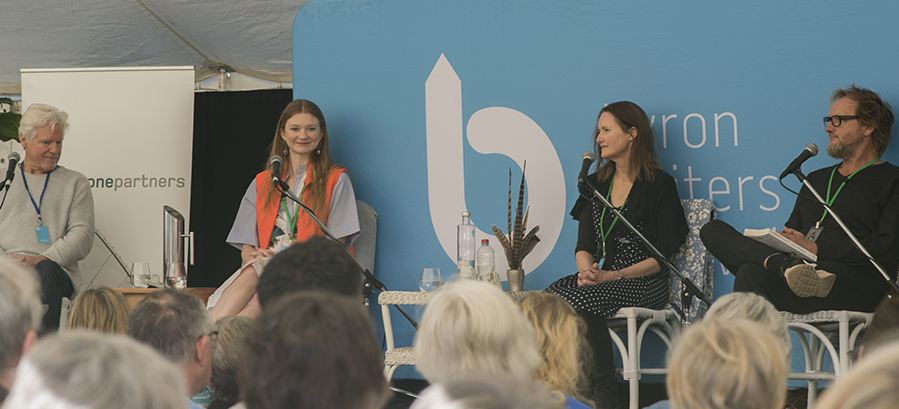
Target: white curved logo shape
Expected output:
[490,130]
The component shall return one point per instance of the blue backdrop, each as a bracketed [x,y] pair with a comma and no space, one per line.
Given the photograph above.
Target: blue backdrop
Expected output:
[429,102]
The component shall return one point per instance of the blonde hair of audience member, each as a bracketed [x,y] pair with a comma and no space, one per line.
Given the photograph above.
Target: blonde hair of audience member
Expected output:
[92,370]
[20,315]
[755,308]
[487,391]
[562,342]
[872,384]
[472,326]
[727,364]
[227,342]
[102,309]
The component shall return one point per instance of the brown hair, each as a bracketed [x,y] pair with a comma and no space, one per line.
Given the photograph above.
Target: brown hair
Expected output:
[643,161]
[871,111]
[320,163]
[102,309]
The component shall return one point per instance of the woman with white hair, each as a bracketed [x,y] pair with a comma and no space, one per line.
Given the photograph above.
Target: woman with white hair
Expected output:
[92,370]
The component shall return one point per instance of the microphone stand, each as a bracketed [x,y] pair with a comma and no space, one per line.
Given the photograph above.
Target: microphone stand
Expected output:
[690,289]
[893,287]
[370,279]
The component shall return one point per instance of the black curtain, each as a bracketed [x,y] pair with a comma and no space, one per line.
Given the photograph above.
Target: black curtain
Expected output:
[232,134]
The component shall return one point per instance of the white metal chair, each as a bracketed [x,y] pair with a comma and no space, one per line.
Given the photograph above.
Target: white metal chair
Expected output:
[819,326]
[696,263]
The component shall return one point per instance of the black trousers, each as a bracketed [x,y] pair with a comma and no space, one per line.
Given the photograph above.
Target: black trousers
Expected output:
[55,284]
[855,289]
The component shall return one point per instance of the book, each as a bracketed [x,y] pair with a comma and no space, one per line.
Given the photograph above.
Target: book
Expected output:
[775,240]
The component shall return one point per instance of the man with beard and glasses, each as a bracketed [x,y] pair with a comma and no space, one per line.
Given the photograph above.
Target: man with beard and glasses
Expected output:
[862,189]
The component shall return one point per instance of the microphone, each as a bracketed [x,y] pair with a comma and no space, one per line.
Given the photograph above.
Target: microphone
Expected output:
[276,169]
[809,151]
[589,157]
[13,159]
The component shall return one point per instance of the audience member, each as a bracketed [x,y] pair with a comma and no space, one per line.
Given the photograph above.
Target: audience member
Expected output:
[755,308]
[472,326]
[884,327]
[727,364]
[20,318]
[318,264]
[562,342]
[102,309]
[313,350]
[175,323]
[483,391]
[90,370]
[229,335]
[872,384]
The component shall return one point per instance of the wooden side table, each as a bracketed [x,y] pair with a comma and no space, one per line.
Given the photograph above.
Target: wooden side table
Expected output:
[134,295]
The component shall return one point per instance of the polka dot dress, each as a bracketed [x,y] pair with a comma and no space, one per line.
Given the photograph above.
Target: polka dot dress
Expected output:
[623,250]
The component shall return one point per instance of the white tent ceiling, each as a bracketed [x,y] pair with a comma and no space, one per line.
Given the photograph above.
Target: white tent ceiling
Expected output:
[251,37]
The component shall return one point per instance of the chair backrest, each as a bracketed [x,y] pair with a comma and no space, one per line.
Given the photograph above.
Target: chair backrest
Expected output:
[694,260]
[365,244]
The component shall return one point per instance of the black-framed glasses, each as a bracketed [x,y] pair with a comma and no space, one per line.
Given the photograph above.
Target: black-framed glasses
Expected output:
[837,120]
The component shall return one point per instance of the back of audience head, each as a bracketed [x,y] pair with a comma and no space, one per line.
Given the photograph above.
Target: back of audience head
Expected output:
[884,327]
[562,342]
[733,364]
[92,370]
[471,326]
[487,391]
[755,308]
[20,315]
[227,343]
[318,264]
[313,350]
[102,309]
[872,384]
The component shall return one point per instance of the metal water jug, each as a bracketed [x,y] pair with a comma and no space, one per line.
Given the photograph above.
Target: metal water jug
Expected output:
[173,237]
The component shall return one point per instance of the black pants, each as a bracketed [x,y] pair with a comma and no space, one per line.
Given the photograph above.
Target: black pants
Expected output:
[55,284]
[855,289]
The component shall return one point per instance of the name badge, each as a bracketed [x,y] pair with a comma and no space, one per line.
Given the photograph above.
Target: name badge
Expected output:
[814,232]
[43,234]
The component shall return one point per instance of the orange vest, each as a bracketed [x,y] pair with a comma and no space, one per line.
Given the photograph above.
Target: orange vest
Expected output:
[267,213]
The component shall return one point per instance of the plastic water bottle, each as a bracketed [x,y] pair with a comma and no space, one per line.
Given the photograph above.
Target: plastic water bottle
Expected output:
[465,247]
[486,262]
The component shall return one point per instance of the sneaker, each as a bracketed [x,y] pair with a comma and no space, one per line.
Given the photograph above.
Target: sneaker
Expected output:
[806,281]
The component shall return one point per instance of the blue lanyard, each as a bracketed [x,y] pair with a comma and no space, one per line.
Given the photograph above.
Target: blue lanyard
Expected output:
[37,206]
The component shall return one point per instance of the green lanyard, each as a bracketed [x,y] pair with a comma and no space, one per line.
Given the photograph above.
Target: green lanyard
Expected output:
[604,234]
[830,200]
[292,220]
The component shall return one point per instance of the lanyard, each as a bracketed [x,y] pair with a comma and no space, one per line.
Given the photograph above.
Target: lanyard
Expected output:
[830,200]
[604,234]
[37,206]
[292,220]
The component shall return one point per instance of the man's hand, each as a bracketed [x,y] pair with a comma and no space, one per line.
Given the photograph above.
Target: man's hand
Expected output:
[25,260]
[800,239]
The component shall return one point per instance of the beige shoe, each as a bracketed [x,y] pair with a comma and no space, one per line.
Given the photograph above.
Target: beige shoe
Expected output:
[806,281]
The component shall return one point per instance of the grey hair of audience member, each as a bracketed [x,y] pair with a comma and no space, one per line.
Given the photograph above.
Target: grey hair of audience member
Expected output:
[872,384]
[755,308]
[472,326]
[229,335]
[39,116]
[92,370]
[313,350]
[488,391]
[733,364]
[20,309]
[884,327]
[317,264]
[170,321]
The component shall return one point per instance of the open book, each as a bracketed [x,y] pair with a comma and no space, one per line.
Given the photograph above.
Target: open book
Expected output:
[775,240]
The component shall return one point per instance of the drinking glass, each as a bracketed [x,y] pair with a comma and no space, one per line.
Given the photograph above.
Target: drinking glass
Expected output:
[140,275]
[430,279]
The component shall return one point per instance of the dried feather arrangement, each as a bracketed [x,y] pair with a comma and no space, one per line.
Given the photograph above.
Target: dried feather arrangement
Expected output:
[516,244]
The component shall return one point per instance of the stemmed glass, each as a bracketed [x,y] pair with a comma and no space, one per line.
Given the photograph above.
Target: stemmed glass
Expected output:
[430,279]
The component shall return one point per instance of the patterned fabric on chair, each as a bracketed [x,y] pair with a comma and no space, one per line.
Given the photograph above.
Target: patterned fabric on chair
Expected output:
[693,260]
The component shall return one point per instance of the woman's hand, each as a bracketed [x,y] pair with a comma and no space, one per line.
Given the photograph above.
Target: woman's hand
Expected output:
[249,253]
[800,239]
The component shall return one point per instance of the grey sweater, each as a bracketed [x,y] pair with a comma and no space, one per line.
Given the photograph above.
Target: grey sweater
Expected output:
[67,211]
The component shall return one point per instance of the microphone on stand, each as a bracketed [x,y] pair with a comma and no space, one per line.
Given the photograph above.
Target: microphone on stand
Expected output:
[276,169]
[589,157]
[809,151]
[13,159]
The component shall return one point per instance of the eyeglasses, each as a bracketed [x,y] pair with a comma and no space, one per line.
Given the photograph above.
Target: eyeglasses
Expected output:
[837,120]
